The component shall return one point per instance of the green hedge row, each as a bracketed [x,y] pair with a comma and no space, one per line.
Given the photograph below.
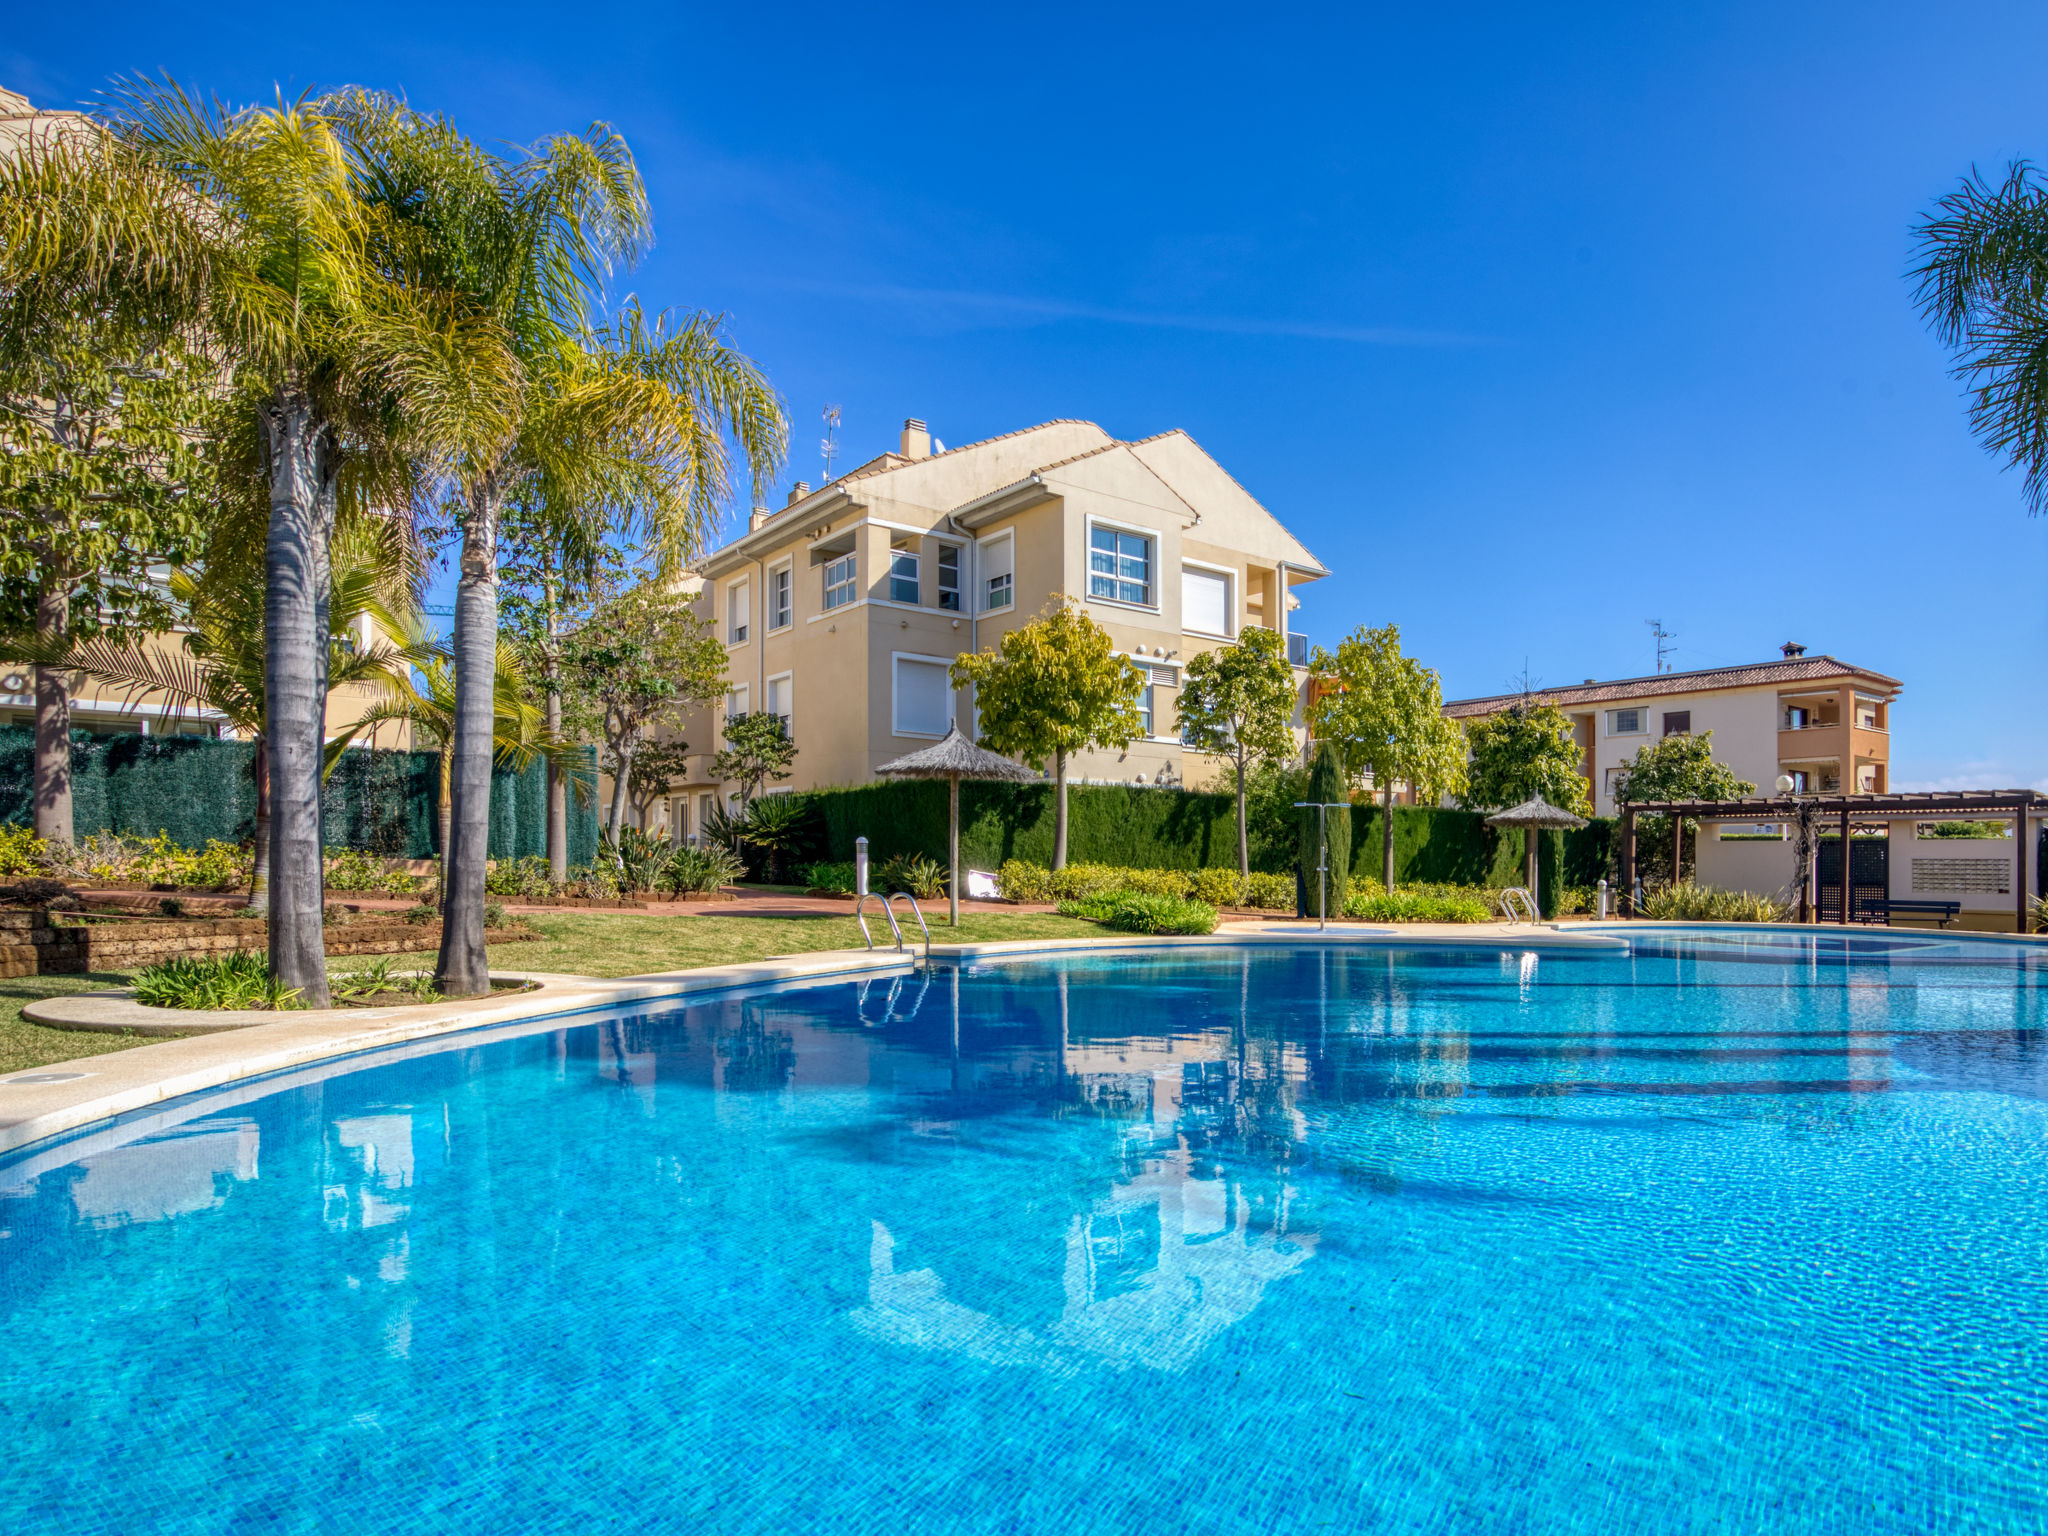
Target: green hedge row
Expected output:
[1146,828]
[194,788]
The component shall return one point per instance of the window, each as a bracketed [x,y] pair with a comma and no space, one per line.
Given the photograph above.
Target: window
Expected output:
[739,612]
[1120,566]
[923,704]
[998,558]
[838,582]
[1678,722]
[779,692]
[949,577]
[1625,722]
[1145,709]
[1796,718]
[736,702]
[781,597]
[902,576]
[1205,601]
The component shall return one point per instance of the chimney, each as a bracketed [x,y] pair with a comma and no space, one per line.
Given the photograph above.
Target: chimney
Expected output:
[756,518]
[917,443]
[1792,649]
[798,492]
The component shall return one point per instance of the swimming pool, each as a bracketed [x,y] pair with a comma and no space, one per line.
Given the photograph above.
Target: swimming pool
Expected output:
[1680,1238]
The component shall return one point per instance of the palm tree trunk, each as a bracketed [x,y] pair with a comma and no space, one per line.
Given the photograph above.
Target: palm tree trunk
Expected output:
[463,970]
[53,715]
[1244,842]
[259,872]
[301,478]
[443,813]
[1059,810]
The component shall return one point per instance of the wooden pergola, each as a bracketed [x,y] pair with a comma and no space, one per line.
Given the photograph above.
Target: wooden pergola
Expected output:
[1970,804]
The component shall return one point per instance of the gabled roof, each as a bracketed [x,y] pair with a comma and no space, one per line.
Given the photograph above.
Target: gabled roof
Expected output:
[1763,674]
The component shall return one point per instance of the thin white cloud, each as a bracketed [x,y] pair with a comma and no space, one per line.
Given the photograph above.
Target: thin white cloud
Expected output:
[960,299]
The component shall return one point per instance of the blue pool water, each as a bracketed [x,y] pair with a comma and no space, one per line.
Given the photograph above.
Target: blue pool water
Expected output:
[1703,1237]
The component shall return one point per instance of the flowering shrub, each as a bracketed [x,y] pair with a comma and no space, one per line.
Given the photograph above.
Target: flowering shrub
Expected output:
[1019,881]
[21,851]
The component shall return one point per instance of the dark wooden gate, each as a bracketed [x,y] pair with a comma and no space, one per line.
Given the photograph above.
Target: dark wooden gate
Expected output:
[1869,878]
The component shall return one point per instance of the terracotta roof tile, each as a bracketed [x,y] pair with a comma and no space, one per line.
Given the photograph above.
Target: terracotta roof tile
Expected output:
[1799,669]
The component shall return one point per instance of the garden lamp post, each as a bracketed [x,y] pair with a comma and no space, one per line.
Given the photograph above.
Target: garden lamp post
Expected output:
[953,759]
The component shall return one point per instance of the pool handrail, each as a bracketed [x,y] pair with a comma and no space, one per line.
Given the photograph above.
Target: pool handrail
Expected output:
[1508,898]
[888,906]
[858,918]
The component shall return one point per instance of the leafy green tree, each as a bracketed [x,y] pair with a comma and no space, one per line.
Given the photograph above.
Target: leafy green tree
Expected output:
[1675,768]
[757,748]
[102,484]
[248,230]
[1385,712]
[656,767]
[1982,274]
[1238,702]
[1052,688]
[373,574]
[1524,751]
[625,423]
[642,660]
[1327,785]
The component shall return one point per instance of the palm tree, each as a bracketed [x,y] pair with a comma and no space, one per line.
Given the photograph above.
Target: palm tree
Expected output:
[617,425]
[249,228]
[374,575]
[1982,284]
[424,696]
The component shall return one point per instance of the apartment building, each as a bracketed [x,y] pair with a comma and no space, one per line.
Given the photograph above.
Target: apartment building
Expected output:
[844,610]
[1821,721]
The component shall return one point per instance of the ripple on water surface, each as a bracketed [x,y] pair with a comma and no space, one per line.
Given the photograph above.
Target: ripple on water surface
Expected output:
[1692,1239]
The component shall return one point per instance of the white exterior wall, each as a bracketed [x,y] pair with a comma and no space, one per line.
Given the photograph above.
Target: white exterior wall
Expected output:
[1744,723]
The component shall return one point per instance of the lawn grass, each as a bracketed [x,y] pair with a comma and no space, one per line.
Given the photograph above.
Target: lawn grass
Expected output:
[579,943]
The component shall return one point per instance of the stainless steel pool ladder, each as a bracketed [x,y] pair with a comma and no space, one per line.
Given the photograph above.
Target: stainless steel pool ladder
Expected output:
[890,1012]
[1520,893]
[889,912]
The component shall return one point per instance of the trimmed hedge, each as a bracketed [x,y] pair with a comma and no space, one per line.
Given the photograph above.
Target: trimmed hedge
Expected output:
[1134,827]
[194,788]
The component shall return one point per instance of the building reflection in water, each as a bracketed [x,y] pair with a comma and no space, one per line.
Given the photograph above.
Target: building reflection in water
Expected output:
[173,1173]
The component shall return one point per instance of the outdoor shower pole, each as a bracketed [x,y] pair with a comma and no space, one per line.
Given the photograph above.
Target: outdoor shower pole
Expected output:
[1322,809]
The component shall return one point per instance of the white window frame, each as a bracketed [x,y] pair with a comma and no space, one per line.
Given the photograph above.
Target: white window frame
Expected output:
[736,593]
[1009,578]
[784,573]
[1151,537]
[1145,708]
[788,680]
[848,586]
[736,701]
[1230,585]
[1641,727]
[916,578]
[896,660]
[940,550]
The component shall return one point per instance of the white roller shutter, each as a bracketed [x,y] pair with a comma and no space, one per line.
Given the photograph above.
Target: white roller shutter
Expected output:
[924,697]
[1205,602]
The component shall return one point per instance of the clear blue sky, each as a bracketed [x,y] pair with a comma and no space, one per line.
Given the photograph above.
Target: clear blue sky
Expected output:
[1534,326]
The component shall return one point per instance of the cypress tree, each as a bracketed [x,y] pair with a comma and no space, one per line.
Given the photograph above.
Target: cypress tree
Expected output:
[1326,784]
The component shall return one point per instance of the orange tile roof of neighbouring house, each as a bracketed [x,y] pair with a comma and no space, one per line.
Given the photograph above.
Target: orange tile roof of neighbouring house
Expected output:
[1762,674]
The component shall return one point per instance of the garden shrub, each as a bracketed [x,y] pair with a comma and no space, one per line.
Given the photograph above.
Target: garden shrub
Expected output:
[699,871]
[1143,912]
[1373,905]
[240,980]
[531,878]
[21,851]
[1691,903]
[921,877]
[421,915]
[1019,881]
[831,878]
[494,914]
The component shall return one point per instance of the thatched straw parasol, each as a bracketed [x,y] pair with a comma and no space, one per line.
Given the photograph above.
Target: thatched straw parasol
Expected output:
[954,759]
[1533,816]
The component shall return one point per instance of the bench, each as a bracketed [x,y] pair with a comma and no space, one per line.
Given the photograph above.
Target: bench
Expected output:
[1885,906]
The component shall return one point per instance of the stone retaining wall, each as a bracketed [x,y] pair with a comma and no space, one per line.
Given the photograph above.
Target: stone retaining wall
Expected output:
[31,944]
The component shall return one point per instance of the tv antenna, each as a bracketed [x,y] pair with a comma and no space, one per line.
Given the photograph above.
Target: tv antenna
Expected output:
[830,446]
[1664,645]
